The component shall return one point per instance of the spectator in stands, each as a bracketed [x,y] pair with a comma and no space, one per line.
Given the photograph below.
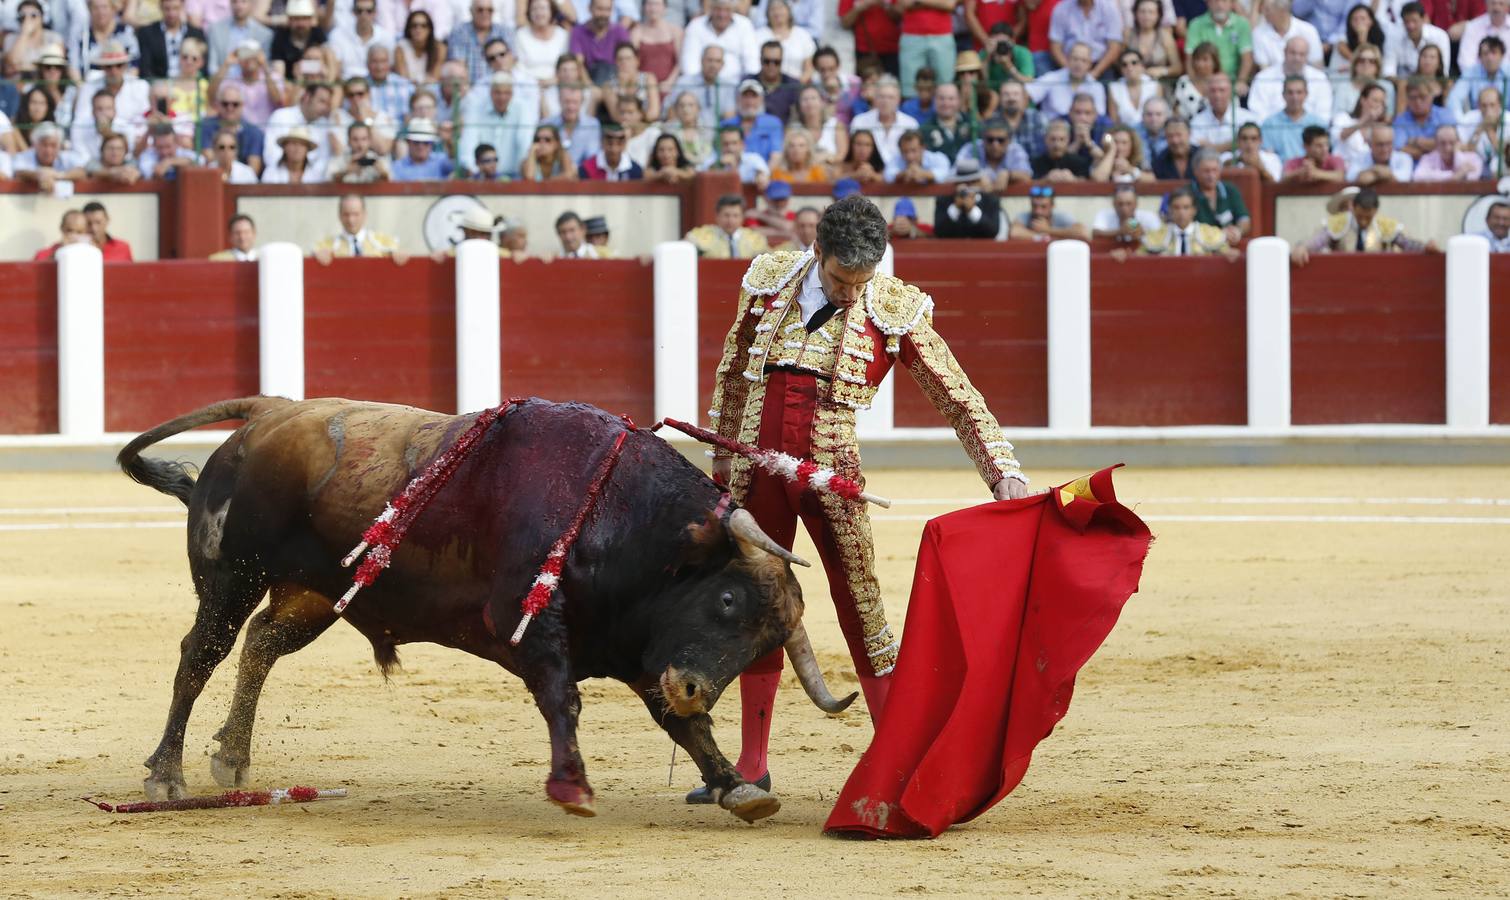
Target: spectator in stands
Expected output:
[132,95]
[390,91]
[863,163]
[86,134]
[222,155]
[668,163]
[830,139]
[261,89]
[114,249]
[1490,72]
[103,29]
[778,89]
[1272,37]
[362,163]
[1350,130]
[723,27]
[288,54]
[1432,66]
[1055,91]
[1183,235]
[1127,96]
[979,99]
[53,78]
[159,42]
[1095,24]
[1087,129]
[642,135]
[877,27]
[1483,130]
[1497,227]
[239,27]
[886,122]
[351,43]
[1124,221]
[448,94]
[1365,72]
[727,238]
[970,213]
[581,133]
[424,160]
[690,132]
[1189,95]
[927,40]
[775,216]
[114,163]
[917,166]
[1250,154]
[1174,164]
[1362,230]
[1151,40]
[796,163]
[1230,36]
[761,130]
[1150,128]
[1025,124]
[1042,222]
[1448,162]
[164,155]
[1360,29]
[32,38]
[1384,163]
[1005,57]
[467,39]
[1215,127]
[598,236]
[949,129]
[1267,95]
[715,97]
[355,238]
[249,138]
[1284,131]
[36,107]
[296,160]
[593,41]
[920,104]
[485,164]
[629,83]
[1121,158]
[904,222]
[419,53]
[1317,165]
[996,158]
[74,230]
[1402,55]
[1217,202]
[796,43]
[1495,22]
[805,229]
[611,163]
[241,234]
[1056,163]
[1416,126]
[505,123]
[659,43]
[513,238]
[357,107]
[313,115]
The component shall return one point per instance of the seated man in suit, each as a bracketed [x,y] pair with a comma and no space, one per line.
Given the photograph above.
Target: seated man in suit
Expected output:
[161,41]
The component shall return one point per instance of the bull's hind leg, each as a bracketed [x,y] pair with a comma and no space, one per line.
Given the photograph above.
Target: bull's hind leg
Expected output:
[695,735]
[293,618]
[228,593]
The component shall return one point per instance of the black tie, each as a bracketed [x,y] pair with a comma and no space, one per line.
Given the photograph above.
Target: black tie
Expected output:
[1359,248]
[1184,250]
[356,246]
[821,317]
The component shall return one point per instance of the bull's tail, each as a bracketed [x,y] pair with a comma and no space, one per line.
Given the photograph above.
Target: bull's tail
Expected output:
[177,478]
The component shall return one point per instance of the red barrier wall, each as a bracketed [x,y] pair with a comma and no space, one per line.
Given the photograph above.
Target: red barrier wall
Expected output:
[28,348]
[178,335]
[580,330]
[1166,355]
[717,295]
[992,310]
[1499,339]
[1368,339]
[374,330]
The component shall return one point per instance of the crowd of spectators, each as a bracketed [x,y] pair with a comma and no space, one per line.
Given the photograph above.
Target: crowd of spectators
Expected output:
[979,94]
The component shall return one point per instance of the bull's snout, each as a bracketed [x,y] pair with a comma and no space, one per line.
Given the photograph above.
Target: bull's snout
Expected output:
[684,692]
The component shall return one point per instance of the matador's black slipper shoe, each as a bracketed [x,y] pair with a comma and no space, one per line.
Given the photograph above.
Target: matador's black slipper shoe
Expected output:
[704,794]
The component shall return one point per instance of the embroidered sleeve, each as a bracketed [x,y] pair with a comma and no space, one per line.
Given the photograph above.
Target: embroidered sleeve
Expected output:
[730,388]
[946,386]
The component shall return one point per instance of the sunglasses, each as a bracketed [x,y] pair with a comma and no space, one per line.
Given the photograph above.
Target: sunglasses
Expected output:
[356,93]
[1040,190]
[365,10]
[770,62]
[225,146]
[488,161]
[994,140]
[492,57]
[230,104]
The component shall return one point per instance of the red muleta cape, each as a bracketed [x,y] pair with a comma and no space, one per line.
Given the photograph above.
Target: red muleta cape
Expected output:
[1009,600]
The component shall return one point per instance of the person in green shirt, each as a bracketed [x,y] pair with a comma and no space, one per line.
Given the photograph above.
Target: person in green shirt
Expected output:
[1219,202]
[1005,58]
[950,127]
[1231,35]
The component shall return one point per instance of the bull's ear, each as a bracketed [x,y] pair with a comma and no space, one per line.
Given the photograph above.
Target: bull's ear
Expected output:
[704,542]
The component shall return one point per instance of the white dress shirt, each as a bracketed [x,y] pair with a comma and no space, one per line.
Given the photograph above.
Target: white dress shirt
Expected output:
[1269,45]
[741,52]
[886,137]
[1266,96]
[1475,31]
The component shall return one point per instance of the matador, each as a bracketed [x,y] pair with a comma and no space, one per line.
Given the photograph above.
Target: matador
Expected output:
[814,334]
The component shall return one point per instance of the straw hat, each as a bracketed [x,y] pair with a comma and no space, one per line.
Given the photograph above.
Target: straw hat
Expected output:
[298,133]
[422,130]
[967,61]
[476,218]
[110,53]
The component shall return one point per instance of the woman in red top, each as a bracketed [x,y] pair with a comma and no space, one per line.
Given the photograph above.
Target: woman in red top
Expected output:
[877,25]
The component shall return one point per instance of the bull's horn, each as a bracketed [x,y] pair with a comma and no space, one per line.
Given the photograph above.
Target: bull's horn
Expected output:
[742,525]
[800,649]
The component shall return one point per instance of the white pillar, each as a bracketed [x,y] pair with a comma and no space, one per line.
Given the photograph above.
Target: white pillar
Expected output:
[676,331]
[479,371]
[1069,335]
[1268,333]
[1467,332]
[280,320]
[81,340]
[881,418]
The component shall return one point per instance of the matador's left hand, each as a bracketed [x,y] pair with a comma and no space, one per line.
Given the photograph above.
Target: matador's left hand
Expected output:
[1009,489]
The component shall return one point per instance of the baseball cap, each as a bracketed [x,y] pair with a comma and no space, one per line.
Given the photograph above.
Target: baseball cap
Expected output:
[300,8]
[904,209]
[750,84]
[778,190]
[844,187]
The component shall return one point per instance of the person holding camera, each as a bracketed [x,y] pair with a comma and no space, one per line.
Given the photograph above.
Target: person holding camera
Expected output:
[971,213]
[362,164]
[1005,58]
[1123,221]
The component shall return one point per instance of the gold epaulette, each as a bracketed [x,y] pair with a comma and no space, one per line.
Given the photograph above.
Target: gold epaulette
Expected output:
[1389,229]
[1336,226]
[770,272]
[896,308]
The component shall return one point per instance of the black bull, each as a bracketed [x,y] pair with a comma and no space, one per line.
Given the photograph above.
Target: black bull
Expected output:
[659,592]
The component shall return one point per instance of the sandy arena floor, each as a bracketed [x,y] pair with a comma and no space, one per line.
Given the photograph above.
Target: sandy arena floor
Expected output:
[1295,704]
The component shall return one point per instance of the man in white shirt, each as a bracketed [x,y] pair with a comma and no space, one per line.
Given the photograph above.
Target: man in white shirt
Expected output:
[729,30]
[714,95]
[1402,55]
[1495,21]
[1123,220]
[1250,154]
[885,121]
[1055,92]
[132,95]
[313,112]
[1497,227]
[1274,33]
[1216,126]
[573,236]
[47,163]
[351,42]
[242,232]
[1384,164]
[229,33]
[915,164]
[1267,96]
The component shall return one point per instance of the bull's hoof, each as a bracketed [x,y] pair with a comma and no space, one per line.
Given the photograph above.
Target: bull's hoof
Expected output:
[229,774]
[577,809]
[164,789]
[750,802]
[573,798]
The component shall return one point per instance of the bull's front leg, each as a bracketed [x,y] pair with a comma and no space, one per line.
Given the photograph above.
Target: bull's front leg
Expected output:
[694,734]
[549,678]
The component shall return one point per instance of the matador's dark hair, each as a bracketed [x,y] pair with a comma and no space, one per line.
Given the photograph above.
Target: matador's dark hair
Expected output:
[853,232]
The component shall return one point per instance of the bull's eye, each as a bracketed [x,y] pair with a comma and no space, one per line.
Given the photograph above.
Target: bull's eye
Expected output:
[728,599]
